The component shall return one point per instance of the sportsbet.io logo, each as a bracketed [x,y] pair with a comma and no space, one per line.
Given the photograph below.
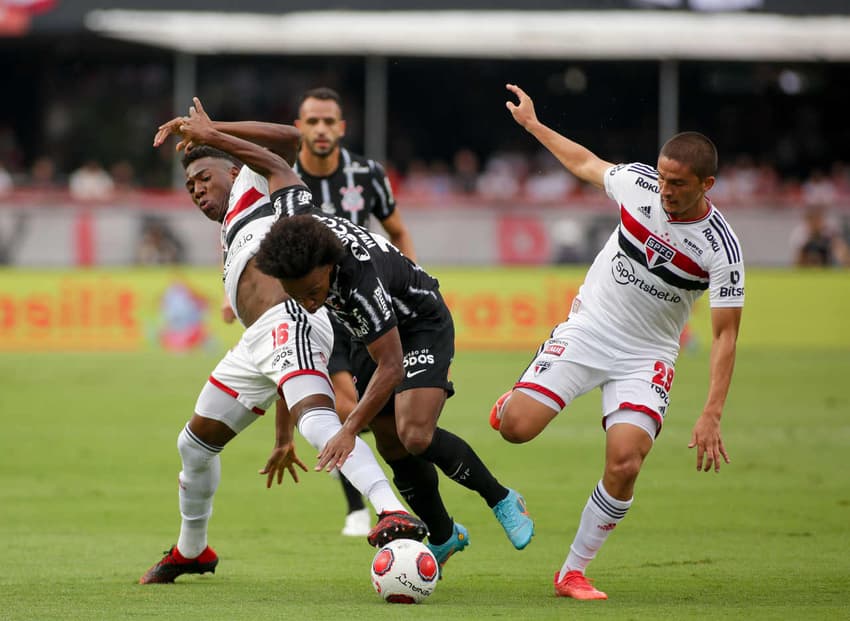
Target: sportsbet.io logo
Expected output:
[623,272]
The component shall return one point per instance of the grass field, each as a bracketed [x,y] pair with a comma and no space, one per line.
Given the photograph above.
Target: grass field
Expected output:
[88,501]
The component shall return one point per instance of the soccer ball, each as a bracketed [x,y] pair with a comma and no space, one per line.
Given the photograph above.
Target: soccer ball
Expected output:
[404,572]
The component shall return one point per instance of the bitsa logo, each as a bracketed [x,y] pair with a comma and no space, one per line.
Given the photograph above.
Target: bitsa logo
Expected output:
[657,252]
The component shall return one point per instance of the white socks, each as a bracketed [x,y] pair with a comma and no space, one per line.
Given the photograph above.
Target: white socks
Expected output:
[198,481]
[601,514]
[361,468]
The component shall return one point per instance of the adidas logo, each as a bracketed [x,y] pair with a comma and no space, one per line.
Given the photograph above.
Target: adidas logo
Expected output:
[645,210]
[607,527]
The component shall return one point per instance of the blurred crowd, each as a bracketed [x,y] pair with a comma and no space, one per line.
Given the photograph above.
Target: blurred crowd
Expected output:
[499,177]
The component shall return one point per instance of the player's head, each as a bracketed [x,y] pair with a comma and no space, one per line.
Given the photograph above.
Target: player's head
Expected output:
[301,252]
[209,178]
[320,121]
[687,166]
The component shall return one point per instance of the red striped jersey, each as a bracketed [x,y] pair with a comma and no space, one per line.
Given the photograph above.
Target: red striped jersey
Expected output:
[641,287]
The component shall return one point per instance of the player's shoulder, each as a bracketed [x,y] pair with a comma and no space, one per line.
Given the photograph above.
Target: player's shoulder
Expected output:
[721,237]
[358,164]
[632,171]
[639,177]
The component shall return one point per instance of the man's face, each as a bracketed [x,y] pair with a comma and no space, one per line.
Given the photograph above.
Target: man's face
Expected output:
[208,181]
[682,192]
[310,291]
[321,125]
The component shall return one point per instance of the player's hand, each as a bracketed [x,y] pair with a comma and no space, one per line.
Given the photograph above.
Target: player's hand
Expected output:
[283,458]
[523,112]
[165,130]
[336,451]
[706,438]
[196,128]
[227,314]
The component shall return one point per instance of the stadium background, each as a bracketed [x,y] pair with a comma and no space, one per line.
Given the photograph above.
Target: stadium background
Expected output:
[102,354]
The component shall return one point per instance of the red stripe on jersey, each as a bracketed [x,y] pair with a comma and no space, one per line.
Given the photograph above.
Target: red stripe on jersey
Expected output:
[289,376]
[222,387]
[257,411]
[542,391]
[251,196]
[641,233]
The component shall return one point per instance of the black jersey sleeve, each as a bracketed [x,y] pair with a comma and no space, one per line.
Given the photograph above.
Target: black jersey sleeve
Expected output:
[292,200]
[384,204]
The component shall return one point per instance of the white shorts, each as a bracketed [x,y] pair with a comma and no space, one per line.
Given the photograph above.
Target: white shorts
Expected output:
[571,364]
[283,354]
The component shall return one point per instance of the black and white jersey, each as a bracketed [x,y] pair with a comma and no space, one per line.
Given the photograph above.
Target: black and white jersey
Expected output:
[375,287]
[358,188]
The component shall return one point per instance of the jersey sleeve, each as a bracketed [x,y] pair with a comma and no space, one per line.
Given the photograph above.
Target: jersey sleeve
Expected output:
[726,267]
[384,197]
[625,183]
[614,181]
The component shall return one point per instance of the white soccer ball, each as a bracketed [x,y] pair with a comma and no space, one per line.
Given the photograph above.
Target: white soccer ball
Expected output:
[405,572]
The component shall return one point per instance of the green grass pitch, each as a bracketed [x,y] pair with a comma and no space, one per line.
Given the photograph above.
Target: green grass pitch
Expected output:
[88,496]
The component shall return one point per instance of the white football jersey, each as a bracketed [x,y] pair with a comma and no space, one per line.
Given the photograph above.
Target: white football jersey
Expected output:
[640,289]
[244,226]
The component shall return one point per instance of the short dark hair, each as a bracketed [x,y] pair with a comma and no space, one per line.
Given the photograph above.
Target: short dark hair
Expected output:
[694,150]
[202,151]
[297,245]
[324,93]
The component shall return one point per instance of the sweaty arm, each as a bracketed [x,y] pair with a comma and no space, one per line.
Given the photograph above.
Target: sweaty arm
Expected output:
[399,235]
[387,353]
[706,433]
[579,160]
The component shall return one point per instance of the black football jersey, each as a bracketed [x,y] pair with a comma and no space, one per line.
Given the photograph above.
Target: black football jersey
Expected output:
[358,188]
[375,287]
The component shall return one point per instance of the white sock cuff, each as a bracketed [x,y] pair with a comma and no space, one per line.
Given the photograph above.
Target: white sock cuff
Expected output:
[606,506]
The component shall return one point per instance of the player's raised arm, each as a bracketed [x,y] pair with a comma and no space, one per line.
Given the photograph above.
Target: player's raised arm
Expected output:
[579,160]
[197,128]
[283,140]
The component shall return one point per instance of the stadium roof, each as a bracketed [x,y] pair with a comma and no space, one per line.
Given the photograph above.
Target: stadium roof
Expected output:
[603,35]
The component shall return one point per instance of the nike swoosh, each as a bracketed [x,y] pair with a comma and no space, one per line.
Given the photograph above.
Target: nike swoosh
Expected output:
[413,373]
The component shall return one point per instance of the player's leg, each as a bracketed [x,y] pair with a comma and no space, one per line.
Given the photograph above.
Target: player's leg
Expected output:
[417,411]
[358,520]
[633,419]
[548,384]
[417,481]
[218,419]
[628,442]
[521,417]
[298,367]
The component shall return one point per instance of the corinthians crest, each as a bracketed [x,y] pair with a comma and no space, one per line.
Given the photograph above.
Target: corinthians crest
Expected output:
[352,198]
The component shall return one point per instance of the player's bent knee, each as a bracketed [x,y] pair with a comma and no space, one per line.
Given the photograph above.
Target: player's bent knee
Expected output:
[624,468]
[416,441]
[517,432]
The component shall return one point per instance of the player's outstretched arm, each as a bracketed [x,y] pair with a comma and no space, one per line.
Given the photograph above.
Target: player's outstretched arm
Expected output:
[197,128]
[281,139]
[706,433]
[579,160]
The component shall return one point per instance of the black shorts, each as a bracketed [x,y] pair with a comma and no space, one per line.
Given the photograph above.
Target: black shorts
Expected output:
[428,347]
